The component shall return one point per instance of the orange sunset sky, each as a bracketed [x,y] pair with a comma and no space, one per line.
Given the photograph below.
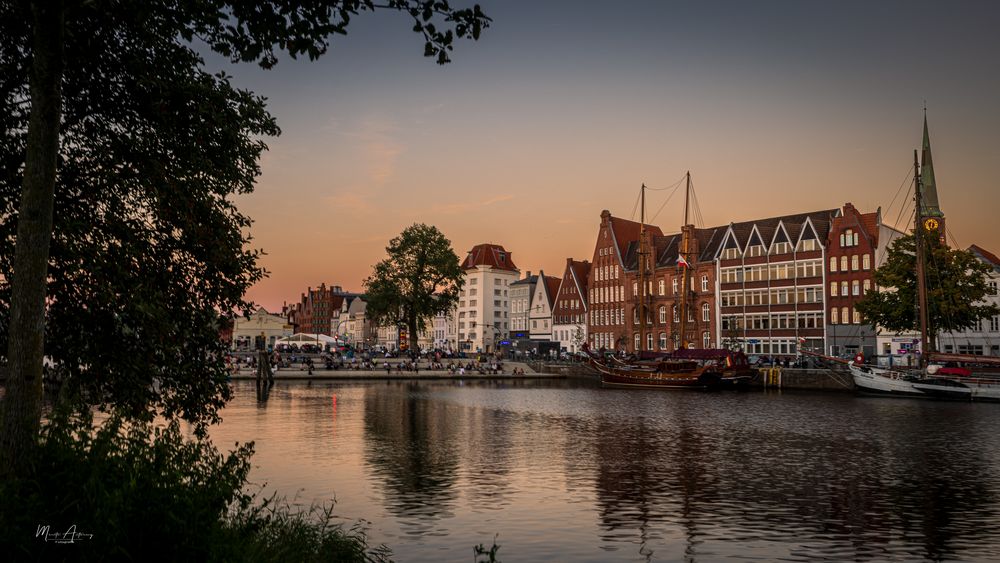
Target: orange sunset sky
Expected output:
[563,109]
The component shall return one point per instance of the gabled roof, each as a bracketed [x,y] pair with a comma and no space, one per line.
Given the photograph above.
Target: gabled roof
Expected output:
[580,271]
[492,255]
[986,256]
[552,289]
[531,280]
[626,232]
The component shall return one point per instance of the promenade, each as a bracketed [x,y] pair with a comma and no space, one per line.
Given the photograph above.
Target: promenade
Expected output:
[297,372]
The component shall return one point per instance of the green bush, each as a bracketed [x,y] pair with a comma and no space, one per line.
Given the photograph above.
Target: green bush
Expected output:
[146,493]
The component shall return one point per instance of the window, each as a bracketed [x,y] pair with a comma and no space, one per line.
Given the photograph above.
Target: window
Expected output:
[857,316]
[662,287]
[833,316]
[867,287]
[635,289]
[663,341]
[755,250]
[706,314]
[781,248]
[855,287]
[844,319]
[706,338]
[663,314]
[472,292]
[833,289]
[843,263]
[637,341]
[833,263]
[807,245]
[843,288]
[674,285]
[854,263]
[704,283]
[995,323]
[866,262]
[677,318]
[730,253]
[649,341]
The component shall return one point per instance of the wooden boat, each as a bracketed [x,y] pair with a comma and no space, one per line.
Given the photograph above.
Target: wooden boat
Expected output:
[682,369]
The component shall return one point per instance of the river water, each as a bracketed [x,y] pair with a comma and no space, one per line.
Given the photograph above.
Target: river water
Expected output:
[564,470]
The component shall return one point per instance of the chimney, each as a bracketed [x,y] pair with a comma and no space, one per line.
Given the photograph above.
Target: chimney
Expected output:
[528,275]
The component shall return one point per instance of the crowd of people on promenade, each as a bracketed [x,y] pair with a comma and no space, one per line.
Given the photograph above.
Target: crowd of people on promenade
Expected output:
[482,364]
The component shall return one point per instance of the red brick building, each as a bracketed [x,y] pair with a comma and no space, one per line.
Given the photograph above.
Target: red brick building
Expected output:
[569,314]
[851,249]
[665,291]
[606,283]
[316,309]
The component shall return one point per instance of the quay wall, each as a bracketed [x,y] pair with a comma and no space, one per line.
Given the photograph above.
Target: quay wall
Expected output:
[807,379]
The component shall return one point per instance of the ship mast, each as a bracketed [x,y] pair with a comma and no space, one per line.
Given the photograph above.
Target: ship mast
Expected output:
[921,260]
[642,271]
[685,248]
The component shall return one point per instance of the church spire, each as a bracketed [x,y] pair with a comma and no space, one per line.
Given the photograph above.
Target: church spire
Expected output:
[929,208]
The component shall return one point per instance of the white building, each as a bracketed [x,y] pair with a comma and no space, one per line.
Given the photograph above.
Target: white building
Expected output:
[984,338]
[540,314]
[445,331]
[521,293]
[260,322]
[569,314]
[484,303]
[352,324]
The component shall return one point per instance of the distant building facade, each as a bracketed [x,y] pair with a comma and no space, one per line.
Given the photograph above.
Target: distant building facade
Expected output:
[261,322]
[540,314]
[983,339]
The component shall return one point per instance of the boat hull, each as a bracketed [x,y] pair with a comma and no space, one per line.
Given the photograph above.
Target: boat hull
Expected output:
[890,383]
[875,381]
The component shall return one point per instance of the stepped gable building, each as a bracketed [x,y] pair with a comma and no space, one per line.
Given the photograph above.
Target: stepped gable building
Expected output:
[569,315]
[483,314]
[606,326]
[540,315]
[771,283]
[317,309]
[852,247]
[664,292]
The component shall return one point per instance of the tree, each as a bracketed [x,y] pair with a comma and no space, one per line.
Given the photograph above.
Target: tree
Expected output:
[420,278]
[120,245]
[956,286]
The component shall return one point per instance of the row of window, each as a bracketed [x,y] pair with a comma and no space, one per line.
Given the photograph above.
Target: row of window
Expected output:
[562,319]
[865,263]
[610,294]
[777,296]
[856,288]
[607,273]
[776,321]
[706,314]
[765,272]
[845,315]
[569,304]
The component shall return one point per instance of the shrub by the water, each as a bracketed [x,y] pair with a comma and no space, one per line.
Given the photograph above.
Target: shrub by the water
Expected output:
[138,492]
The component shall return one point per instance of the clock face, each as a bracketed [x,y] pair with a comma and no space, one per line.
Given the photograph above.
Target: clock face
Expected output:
[930,224]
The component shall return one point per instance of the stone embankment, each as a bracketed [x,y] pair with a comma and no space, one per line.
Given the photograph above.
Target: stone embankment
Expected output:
[806,379]
[301,373]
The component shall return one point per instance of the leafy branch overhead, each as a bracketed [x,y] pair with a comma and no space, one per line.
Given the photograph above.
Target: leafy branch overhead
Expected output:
[250,31]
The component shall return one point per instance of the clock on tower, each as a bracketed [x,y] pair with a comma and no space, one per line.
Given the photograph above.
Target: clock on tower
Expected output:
[931,224]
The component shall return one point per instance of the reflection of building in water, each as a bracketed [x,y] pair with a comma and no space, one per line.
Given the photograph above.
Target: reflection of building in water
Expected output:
[703,484]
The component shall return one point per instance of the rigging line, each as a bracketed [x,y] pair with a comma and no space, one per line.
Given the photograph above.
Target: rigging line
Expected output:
[909,170]
[671,186]
[636,206]
[697,207]
[902,210]
[664,204]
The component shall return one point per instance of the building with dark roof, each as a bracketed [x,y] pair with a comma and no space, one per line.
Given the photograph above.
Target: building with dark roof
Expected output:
[540,314]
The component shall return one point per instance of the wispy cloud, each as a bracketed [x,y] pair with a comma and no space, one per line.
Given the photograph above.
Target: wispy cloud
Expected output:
[467,206]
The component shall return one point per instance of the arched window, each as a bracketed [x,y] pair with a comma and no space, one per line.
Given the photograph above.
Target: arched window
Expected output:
[663,341]
[674,284]
[706,340]
[649,341]
[843,263]
[843,316]
[705,313]
[637,341]
[663,314]
[833,316]
[635,315]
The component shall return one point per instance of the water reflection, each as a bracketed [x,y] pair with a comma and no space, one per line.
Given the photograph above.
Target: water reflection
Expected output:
[565,470]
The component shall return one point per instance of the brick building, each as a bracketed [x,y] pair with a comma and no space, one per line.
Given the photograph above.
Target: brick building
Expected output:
[569,315]
[851,248]
[606,323]
[665,292]
[317,309]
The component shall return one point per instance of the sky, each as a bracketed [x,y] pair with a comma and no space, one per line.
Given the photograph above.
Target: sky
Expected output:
[564,108]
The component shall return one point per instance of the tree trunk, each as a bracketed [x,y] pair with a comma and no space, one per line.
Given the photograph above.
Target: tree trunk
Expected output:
[21,410]
[414,337]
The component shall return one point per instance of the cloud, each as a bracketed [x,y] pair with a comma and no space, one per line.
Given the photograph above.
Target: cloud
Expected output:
[375,138]
[465,207]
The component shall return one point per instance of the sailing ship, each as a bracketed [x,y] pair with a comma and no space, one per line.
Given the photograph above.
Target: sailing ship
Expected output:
[684,368]
[939,376]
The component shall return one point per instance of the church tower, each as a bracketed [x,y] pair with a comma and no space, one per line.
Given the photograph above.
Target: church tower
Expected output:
[931,216]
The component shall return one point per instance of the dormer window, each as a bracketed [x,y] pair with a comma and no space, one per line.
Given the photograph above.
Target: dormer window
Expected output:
[503,257]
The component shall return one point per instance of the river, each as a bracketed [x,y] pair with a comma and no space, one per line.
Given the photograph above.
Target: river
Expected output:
[564,470]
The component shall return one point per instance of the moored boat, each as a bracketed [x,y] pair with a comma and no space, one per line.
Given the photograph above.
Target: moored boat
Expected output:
[682,369]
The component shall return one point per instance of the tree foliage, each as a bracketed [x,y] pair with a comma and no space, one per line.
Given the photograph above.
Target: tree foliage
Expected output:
[420,278]
[148,251]
[956,285]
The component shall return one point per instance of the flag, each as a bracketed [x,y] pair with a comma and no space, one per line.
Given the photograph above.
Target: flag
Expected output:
[682,262]
[802,340]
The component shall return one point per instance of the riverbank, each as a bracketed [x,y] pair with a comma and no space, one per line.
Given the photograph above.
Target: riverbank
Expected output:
[298,373]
